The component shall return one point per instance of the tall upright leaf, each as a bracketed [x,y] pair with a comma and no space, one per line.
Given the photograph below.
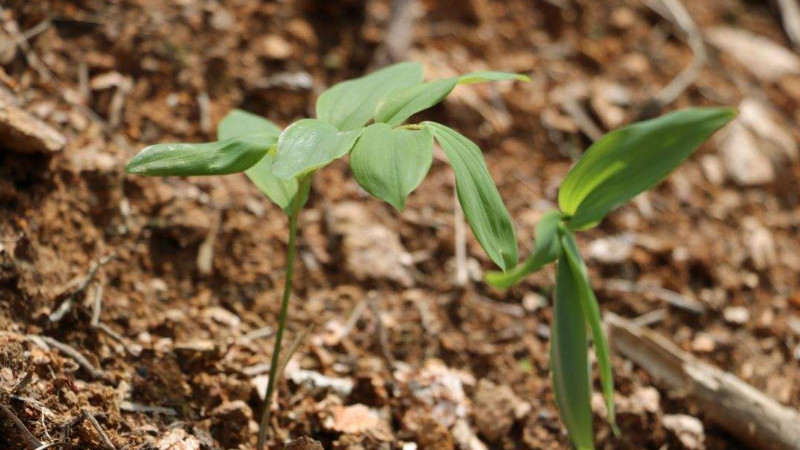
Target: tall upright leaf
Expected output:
[569,360]
[310,144]
[351,104]
[390,164]
[630,160]
[591,312]
[279,190]
[483,207]
[402,104]
[547,248]
[231,155]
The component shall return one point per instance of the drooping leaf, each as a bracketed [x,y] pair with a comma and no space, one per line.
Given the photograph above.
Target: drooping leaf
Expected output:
[239,123]
[351,104]
[212,158]
[390,164]
[402,104]
[569,360]
[591,312]
[483,207]
[630,160]
[547,248]
[310,144]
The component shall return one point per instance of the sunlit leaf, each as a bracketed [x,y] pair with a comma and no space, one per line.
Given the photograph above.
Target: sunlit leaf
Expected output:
[483,207]
[242,123]
[310,144]
[630,160]
[591,312]
[351,104]
[547,249]
[569,360]
[390,164]
[402,104]
[213,158]
[279,190]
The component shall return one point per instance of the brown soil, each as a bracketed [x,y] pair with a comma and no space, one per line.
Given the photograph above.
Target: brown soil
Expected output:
[427,359]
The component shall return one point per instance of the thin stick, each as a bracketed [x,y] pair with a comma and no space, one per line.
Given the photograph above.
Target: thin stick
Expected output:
[103,436]
[383,339]
[66,305]
[29,437]
[287,293]
[675,12]
[76,355]
[790,16]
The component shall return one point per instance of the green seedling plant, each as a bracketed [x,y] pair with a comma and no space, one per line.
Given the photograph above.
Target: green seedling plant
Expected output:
[616,168]
[365,118]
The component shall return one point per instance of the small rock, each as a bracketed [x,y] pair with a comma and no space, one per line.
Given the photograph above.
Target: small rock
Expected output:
[23,132]
[465,437]
[303,443]
[703,343]
[612,250]
[275,47]
[736,315]
[742,157]
[533,301]
[316,381]
[230,422]
[178,439]
[689,430]
[357,419]
[496,410]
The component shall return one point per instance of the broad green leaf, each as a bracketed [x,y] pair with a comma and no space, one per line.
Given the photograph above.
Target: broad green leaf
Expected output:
[213,158]
[569,360]
[351,104]
[483,207]
[547,248]
[238,123]
[310,144]
[242,123]
[402,104]
[630,160]
[591,312]
[390,164]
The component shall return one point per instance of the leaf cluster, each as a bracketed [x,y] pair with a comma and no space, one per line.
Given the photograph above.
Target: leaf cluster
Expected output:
[616,168]
[364,118]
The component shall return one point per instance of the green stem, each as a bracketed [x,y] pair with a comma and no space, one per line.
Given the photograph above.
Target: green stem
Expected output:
[287,293]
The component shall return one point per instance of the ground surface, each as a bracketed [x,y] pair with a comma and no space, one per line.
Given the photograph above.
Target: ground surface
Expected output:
[394,351]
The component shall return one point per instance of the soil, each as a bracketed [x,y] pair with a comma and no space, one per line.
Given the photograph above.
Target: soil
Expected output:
[392,352]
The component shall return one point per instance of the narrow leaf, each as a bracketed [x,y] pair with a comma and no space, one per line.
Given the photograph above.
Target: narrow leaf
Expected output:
[630,160]
[241,123]
[483,207]
[547,248]
[310,144]
[569,360]
[390,164]
[402,104]
[591,312]
[238,123]
[351,104]
[213,158]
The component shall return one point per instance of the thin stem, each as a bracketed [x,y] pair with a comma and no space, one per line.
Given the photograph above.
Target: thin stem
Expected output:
[287,293]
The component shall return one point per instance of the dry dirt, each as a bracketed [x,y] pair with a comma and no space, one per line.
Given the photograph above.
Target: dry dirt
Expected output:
[394,353]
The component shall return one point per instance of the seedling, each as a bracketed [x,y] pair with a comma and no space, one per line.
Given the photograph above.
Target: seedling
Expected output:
[388,159]
[619,166]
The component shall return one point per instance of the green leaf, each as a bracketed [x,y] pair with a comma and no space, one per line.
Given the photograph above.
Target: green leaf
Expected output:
[390,164]
[569,360]
[591,312]
[351,104]
[547,248]
[213,158]
[630,160]
[310,144]
[241,123]
[483,207]
[402,104]
[280,191]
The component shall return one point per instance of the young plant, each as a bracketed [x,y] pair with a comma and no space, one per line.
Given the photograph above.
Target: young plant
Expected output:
[619,166]
[388,159]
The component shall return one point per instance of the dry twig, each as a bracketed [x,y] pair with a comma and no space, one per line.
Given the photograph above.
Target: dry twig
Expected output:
[735,405]
[66,305]
[75,355]
[790,16]
[673,298]
[103,436]
[29,437]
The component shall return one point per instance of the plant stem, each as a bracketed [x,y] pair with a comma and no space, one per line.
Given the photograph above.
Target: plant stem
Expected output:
[287,293]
